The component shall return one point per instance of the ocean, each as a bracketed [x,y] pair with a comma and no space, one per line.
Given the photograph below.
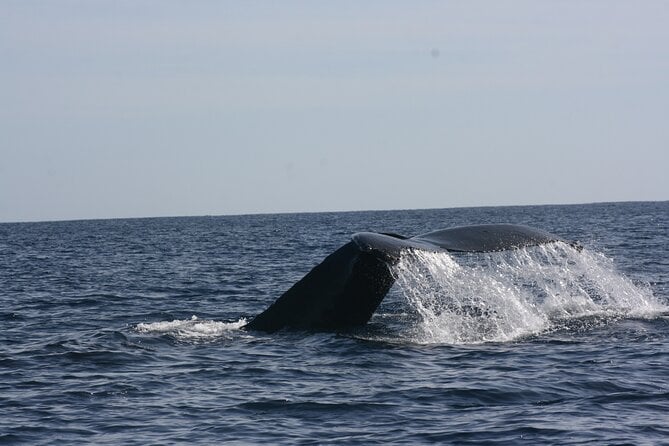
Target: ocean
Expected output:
[128,331]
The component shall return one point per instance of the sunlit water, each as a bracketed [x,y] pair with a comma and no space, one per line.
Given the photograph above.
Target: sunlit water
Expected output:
[130,332]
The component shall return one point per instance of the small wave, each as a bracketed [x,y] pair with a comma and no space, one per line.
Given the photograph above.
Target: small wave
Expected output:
[192,329]
[499,297]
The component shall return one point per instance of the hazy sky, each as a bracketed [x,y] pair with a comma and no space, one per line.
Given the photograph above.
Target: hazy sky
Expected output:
[151,108]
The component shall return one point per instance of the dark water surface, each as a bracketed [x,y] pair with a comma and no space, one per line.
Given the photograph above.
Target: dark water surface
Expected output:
[127,332]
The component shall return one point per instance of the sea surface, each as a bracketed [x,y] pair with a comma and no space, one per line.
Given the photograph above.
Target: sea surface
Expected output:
[129,332]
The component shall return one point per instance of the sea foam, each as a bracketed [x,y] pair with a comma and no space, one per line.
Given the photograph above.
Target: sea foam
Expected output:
[499,297]
[193,329]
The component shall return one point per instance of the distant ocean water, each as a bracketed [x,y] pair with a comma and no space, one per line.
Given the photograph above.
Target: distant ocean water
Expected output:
[127,332]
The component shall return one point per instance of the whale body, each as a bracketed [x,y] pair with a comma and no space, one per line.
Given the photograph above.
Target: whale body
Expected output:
[344,290]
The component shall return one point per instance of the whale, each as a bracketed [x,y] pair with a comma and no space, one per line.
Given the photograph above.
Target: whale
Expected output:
[343,291]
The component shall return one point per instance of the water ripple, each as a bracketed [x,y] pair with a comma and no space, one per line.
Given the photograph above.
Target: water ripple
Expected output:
[99,344]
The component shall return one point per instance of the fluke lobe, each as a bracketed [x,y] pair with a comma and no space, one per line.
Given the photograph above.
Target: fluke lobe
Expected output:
[347,286]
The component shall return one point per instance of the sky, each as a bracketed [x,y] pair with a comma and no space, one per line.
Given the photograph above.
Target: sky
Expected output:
[114,108]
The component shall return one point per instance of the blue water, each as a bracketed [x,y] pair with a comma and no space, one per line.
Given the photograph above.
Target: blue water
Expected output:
[127,332]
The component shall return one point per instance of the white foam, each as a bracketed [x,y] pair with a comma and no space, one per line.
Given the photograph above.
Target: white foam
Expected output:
[498,297]
[191,329]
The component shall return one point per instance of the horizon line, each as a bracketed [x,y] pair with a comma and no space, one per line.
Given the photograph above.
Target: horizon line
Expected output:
[338,211]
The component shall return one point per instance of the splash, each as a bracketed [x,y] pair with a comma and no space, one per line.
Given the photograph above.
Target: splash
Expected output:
[498,297]
[192,329]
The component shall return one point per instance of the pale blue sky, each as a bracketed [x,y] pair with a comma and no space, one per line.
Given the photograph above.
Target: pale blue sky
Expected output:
[152,108]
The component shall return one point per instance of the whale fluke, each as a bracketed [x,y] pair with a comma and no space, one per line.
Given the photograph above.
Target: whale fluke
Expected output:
[344,290]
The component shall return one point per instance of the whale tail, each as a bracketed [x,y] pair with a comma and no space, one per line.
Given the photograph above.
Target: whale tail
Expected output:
[342,291]
[345,289]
